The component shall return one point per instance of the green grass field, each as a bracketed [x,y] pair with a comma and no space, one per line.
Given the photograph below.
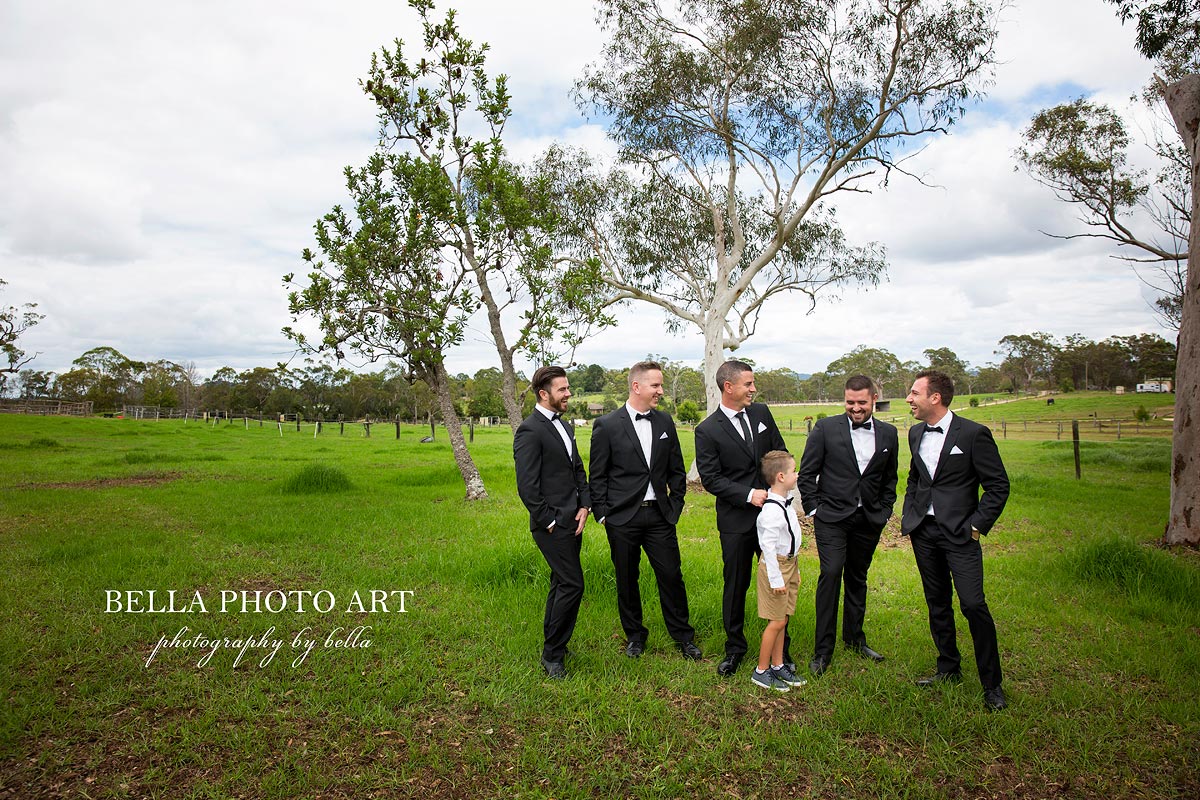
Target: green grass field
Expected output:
[1099,634]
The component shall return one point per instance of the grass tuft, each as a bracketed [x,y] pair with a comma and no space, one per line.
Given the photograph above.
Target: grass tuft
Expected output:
[318,479]
[44,441]
[1135,570]
[1135,455]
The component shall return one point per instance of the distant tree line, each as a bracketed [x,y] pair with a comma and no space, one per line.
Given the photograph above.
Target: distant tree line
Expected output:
[317,389]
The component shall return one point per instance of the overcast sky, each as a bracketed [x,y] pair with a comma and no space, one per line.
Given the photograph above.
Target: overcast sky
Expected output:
[163,165]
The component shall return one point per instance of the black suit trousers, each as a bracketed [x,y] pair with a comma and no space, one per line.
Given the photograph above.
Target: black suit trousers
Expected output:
[845,549]
[941,562]
[649,531]
[561,550]
[737,553]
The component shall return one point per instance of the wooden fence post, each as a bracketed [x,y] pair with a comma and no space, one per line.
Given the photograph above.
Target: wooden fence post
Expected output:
[1075,438]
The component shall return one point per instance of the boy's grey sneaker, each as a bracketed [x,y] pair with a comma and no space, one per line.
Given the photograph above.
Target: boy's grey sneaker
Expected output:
[767,680]
[785,674]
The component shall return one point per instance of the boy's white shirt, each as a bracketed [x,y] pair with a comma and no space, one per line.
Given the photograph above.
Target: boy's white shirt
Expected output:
[773,536]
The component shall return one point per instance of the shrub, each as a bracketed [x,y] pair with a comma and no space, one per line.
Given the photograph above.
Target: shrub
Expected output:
[317,479]
[821,415]
[688,411]
[974,403]
[1141,414]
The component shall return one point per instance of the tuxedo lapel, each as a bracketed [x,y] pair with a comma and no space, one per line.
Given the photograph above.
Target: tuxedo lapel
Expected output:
[951,437]
[552,431]
[914,443]
[847,441]
[631,431]
[732,432]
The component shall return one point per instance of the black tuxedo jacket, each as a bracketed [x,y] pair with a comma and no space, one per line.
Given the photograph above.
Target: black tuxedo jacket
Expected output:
[552,485]
[729,467]
[829,477]
[969,459]
[619,473]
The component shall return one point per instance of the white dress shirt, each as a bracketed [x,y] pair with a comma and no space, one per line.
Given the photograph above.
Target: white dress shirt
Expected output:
[773,538]
[645,434]
[930,448]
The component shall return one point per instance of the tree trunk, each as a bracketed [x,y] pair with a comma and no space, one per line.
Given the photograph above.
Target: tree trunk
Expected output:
[714,356]
[462,456]
[1183,527]
[508,375]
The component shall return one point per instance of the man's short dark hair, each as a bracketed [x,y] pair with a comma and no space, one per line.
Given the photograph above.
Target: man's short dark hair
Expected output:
[543,377]
[774,463]
[939,382]
[641,368]
[729,372]
[856,383]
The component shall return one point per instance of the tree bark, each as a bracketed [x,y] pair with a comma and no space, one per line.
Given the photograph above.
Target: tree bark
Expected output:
[508,374]
[1183,526]
[458,443]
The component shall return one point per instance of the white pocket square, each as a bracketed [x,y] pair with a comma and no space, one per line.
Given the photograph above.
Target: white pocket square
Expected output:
[954,451]
[663,436]
[761,427]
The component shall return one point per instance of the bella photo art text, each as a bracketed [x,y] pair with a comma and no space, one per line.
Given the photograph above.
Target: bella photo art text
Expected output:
[263,647]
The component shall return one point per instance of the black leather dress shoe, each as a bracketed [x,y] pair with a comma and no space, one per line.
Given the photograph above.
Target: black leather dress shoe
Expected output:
[818,665]
[940,677]
[690,651]
[634,649]
[994,700]
[729,665]
[554,669]
[865,651]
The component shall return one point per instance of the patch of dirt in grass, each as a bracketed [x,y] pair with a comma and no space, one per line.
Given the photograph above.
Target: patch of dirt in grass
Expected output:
[146,479]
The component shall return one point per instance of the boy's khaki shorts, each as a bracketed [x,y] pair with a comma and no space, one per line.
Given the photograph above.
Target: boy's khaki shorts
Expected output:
[778,606]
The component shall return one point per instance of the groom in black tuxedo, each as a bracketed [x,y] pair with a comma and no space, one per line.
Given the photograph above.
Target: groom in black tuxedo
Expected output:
[553,486]
[637,483]
[848,486]
[730,445]
[944,516]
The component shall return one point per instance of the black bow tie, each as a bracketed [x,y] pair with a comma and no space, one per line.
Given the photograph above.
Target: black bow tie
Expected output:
[787,501]
[933,429]
[642,416]
[555,416]
[856,425]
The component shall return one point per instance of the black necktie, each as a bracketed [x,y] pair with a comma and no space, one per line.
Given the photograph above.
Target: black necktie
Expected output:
[933,429]
[856,425]
[741,415]
[642,416]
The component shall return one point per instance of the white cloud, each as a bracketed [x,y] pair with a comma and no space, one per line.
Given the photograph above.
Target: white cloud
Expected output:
[164,164]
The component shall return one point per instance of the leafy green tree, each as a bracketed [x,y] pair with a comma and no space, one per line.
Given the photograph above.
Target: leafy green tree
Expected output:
[947,361]
[890,374]
[13,323]
[738,121]
[485,390]
[777,385]
[103,376]
[477,207]
[1080,151]
[35,384]
[1028,356]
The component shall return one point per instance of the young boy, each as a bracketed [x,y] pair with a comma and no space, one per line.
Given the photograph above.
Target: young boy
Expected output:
[778,580]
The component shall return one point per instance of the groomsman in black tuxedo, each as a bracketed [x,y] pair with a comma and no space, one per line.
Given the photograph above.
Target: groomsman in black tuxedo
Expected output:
[730,444]
[944,516]
[553,486]
[637,483]
[848,486]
